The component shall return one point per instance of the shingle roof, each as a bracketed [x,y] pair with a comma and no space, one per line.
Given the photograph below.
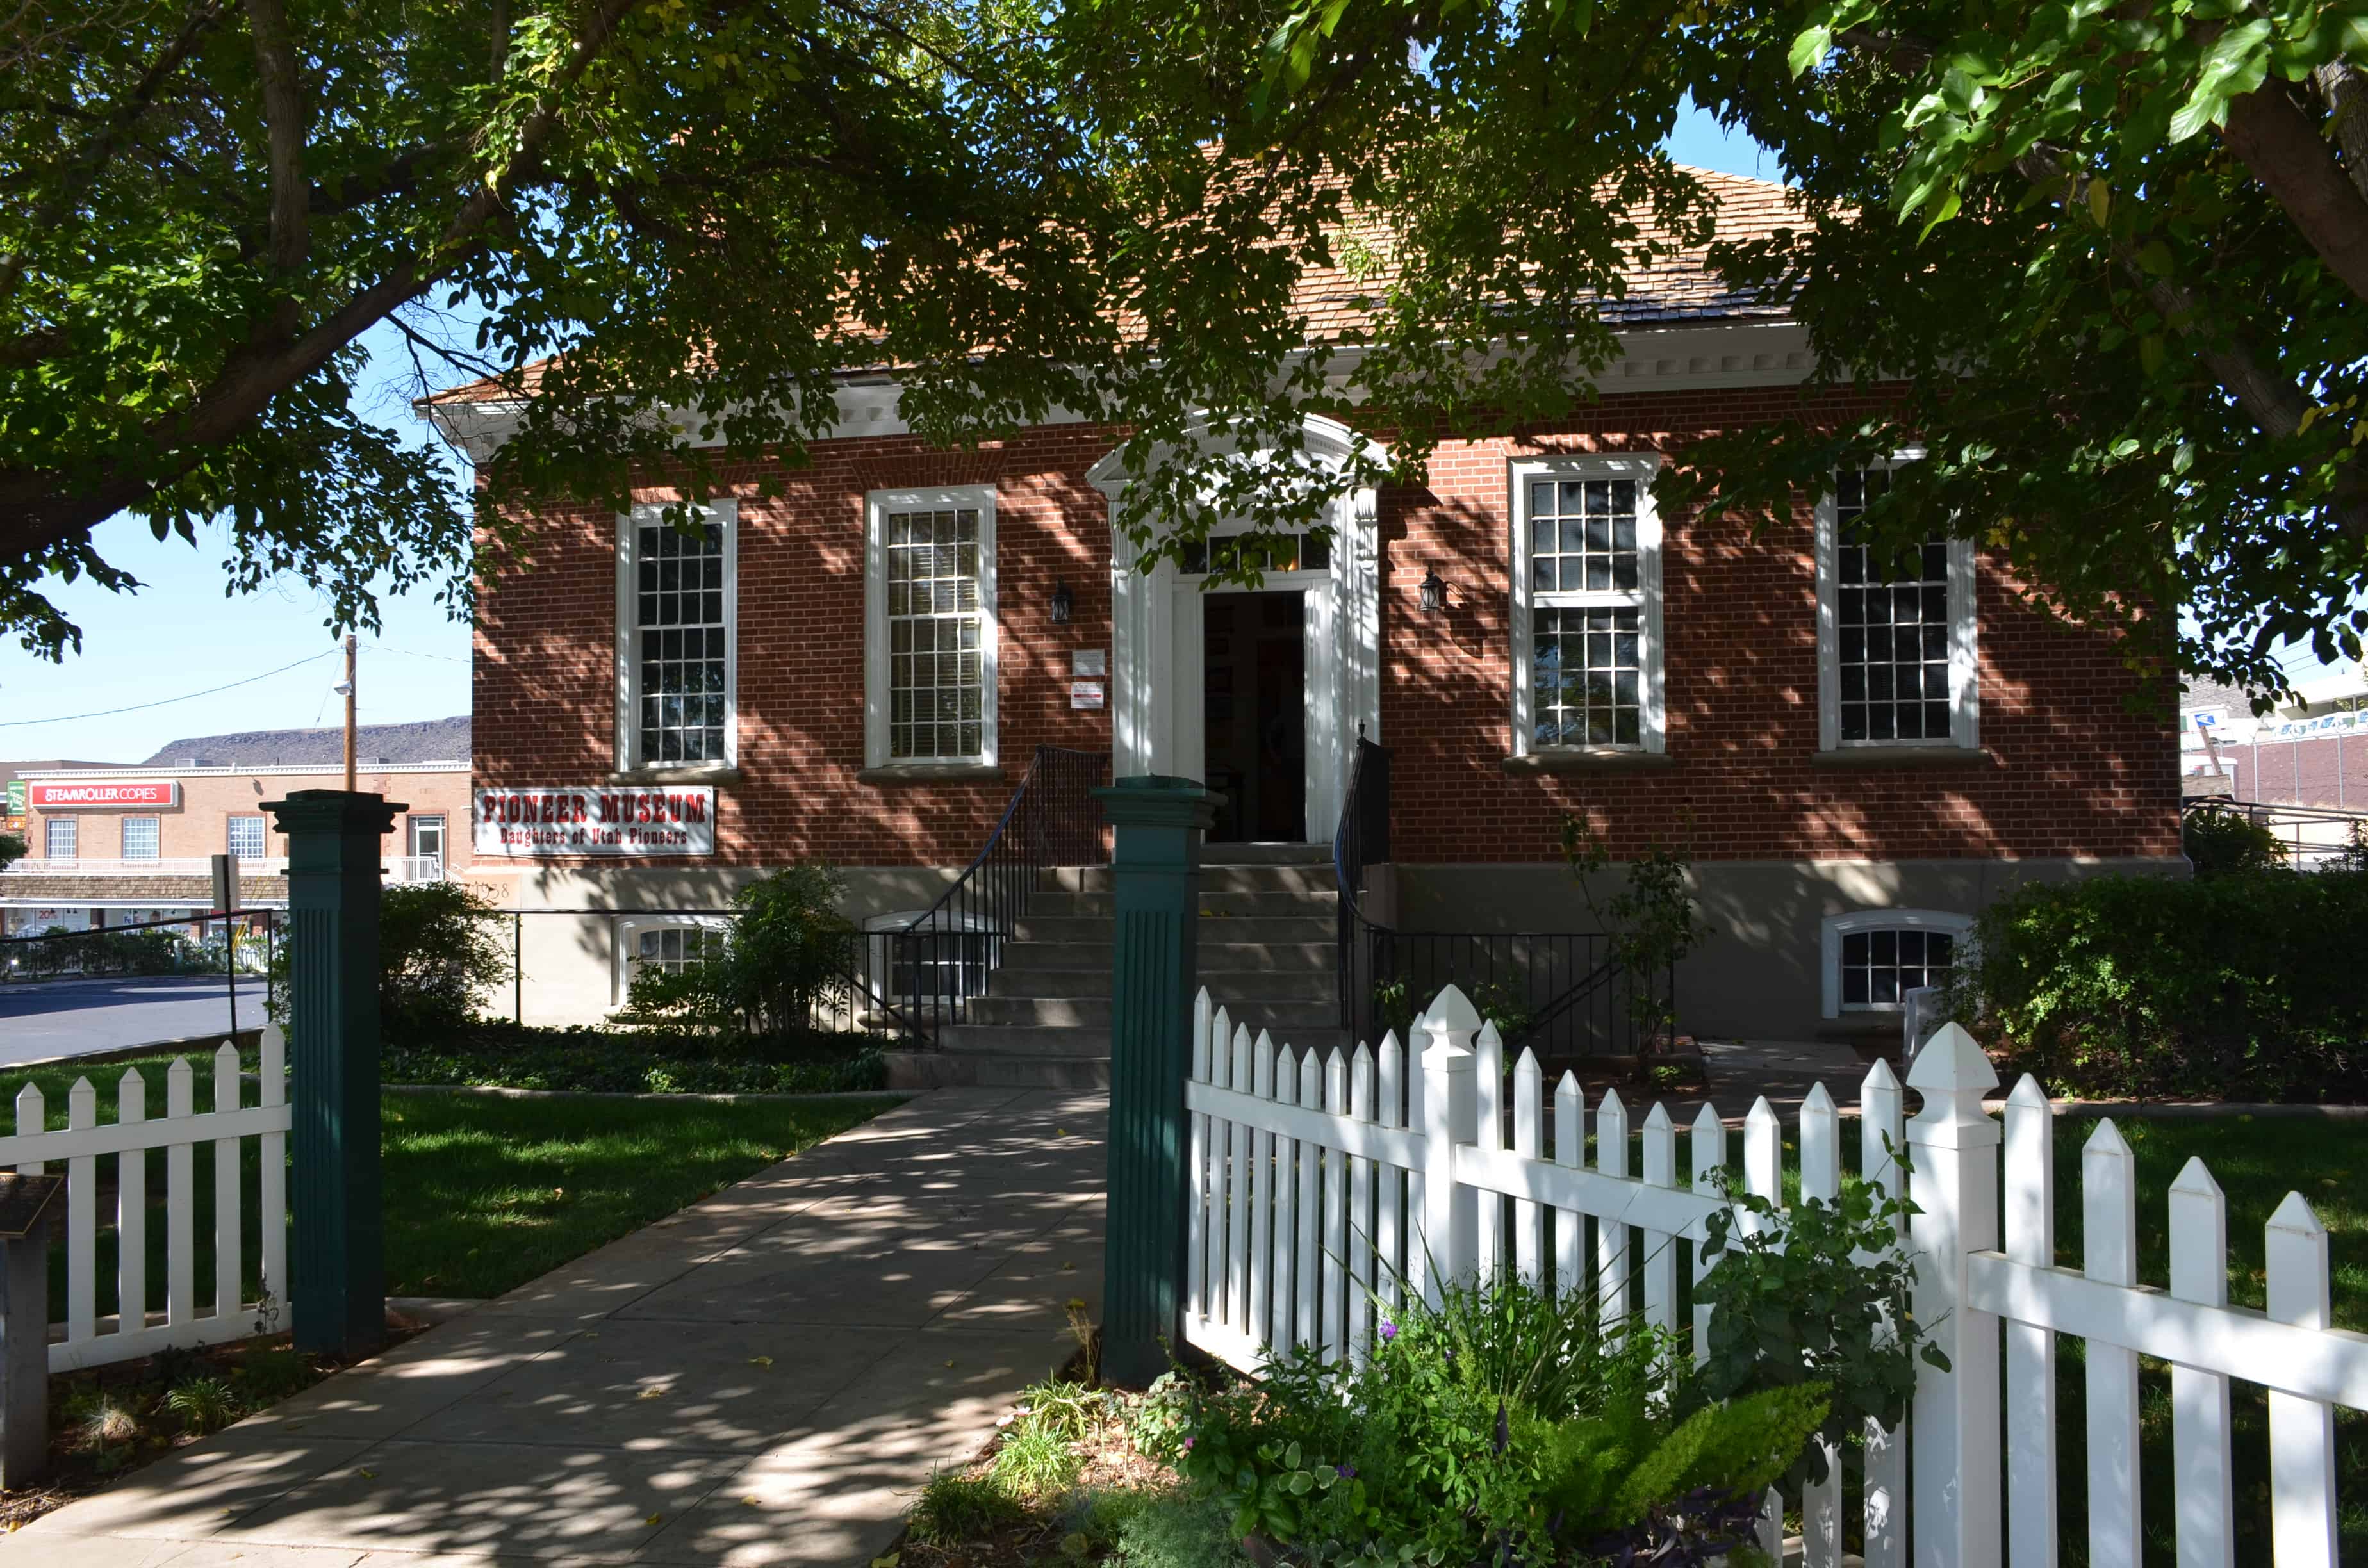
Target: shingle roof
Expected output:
[1678,288]
[430,740]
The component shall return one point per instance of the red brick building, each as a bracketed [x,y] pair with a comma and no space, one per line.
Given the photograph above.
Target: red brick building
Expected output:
[861,666]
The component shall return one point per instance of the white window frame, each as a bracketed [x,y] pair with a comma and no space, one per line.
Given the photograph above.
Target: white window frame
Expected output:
[726,515]
[123,840]
[263,834]
[1651,719]
[1965,665]
[418,819]
[1836,927]
[628,929]
[877,505]
[50,826]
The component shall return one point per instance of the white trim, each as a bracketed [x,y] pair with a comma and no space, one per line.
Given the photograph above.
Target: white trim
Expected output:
[726,515]
[627,929]
[1964,661]
[877,505]
[1652,715]
[1834,928]
[1155,641]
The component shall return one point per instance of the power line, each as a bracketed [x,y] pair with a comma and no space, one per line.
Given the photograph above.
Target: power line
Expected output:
[164,702]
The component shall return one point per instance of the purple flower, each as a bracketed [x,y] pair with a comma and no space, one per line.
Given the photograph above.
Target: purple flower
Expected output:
[1348,1472]
[1188,1445]
[1389,1331]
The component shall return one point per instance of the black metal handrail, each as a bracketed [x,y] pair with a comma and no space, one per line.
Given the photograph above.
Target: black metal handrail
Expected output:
[1563,994]
[926,973]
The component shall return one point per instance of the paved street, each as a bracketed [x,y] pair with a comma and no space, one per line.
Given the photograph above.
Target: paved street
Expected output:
[73,1018]
[766,1378]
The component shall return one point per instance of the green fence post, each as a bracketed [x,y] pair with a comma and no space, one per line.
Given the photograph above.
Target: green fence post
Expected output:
[1159,822]
[338,1256]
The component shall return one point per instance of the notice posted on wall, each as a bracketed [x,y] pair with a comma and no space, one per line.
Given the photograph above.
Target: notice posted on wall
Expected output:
[534,823]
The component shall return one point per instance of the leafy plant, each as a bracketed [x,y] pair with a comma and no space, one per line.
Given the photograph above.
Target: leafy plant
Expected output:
[1036,1462]
[1652,919]
[2228,843]
[1503,1005]
[1069,1411]
[269,1376]
[12,847]
[785,952]
[440,951]
[204,1404]
[1394,1005]
[1186,1526]
[2237,986]
[1156,1423]
[1819,1294]
[103,1421]
[954,1509]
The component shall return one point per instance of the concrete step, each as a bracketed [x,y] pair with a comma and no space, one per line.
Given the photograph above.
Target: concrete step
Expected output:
[1280,1015]
[1314,984]
[1216,957]
[1214,879]
[1265,853]
[1224,929]
[944,1069]
[1219,903]
[1307,1026]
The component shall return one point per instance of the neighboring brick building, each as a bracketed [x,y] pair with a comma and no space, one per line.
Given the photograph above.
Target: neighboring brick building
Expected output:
[114,844]
[1690,684]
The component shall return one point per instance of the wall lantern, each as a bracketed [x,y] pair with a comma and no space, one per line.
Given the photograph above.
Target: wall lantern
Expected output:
[1062,604]
[1434,592]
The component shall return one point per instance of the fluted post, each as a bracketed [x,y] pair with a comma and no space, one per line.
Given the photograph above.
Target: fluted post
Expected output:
[1156,865]
[337,1291]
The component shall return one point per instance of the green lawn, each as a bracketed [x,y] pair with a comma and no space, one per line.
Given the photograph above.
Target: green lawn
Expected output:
[482,1192]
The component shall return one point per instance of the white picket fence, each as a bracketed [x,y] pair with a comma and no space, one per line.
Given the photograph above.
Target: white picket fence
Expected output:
[1322,1188]
[90,1339]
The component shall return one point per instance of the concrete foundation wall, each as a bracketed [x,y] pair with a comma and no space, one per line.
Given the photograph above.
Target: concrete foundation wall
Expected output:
[1759,974]
[569,962]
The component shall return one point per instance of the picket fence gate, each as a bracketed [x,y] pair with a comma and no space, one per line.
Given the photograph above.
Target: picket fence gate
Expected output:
[90,1339]
[1322,1190]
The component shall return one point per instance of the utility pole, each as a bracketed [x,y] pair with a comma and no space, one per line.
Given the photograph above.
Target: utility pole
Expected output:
[349,689]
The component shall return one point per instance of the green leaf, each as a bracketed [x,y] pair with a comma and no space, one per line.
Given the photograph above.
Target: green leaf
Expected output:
[1809,49]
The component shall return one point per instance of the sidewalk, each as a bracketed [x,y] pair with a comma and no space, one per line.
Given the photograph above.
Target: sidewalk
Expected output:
[764,1378]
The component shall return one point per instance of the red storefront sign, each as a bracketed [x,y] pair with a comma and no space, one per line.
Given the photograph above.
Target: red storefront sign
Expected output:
[106,795]
[662,820]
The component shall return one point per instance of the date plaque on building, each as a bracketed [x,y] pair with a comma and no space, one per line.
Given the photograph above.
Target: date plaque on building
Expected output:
[23,1200]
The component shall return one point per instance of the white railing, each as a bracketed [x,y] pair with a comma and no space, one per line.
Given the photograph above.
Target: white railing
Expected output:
[416,869]
[182,865]
[93,1339]
[1323,1188]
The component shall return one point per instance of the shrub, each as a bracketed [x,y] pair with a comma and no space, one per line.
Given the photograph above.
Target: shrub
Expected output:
[1186,1527]
[2223,842]
[785,952]
[957,1508]
[440,950]
[12,849]
[204,1404]
[1501,1427]
[2236,986]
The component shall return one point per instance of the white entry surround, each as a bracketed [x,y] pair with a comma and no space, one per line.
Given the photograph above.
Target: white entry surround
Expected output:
[1155,643]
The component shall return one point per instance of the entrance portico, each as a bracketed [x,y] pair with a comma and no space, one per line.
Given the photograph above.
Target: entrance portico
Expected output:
[1159,639]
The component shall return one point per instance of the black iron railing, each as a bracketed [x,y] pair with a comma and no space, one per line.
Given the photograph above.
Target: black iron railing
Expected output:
[1560,994]
[925,973]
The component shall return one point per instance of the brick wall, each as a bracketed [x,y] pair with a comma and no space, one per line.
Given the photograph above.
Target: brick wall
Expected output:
[2079,776]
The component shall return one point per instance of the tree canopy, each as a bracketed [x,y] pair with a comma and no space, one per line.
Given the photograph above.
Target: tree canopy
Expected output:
[2108,263]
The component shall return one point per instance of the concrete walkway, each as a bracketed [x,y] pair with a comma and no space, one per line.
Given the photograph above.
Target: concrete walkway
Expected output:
[764,1378]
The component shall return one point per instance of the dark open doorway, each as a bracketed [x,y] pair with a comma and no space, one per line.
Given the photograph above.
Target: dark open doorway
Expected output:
[1254,713]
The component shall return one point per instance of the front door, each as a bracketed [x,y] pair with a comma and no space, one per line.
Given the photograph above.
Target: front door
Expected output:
[1254,713]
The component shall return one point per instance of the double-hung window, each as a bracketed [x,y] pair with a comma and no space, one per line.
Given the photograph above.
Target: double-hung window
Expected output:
[1895,653]
[1587,606]
[245,837]
[62,838]
[676,642]
[930,632]
[140,838]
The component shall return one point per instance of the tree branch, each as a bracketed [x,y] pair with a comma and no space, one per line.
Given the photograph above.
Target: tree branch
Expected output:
[2347,105]
[2282,148]
[284,129]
